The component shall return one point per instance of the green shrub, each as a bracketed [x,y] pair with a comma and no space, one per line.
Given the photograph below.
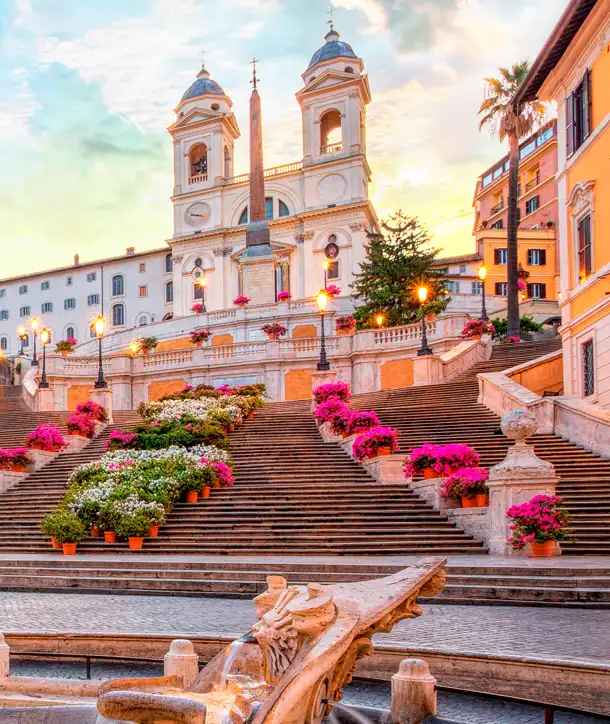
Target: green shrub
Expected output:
[64,527]
[133,526]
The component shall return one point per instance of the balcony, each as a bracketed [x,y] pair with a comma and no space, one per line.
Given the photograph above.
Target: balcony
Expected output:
[198,178]
[331,148]
[532,184]
[497,208]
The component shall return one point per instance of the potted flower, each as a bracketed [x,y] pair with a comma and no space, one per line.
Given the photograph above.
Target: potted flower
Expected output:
[66,346]
[361,420]
[340,390]
[452,457]
[332,290]
[476,328]
[147,344]
[80,424]
[199,336]
[18,460]
[284,296]
[420,461]
[198,307]
[50,526]
[241,301]
[134,528]
[468,484]
[345,324]
[94,410]
[376,442]
[550,224]
[108,519]
[540,522]
[69,530]
[47,438]
[330,410]
[274,331]
[5,458]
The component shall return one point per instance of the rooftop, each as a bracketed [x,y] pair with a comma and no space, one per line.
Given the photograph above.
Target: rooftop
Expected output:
[202,86]
[444,260]
[333,48]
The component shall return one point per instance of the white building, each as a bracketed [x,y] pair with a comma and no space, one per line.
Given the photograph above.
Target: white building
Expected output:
[319,200]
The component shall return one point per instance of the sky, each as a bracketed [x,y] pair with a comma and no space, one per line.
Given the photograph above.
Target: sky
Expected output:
[88,88]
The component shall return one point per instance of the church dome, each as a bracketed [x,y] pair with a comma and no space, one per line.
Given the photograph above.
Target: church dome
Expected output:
[204,85]
[333,48]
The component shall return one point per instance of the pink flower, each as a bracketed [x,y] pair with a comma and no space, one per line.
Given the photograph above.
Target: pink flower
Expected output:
[241,300]
[372,440]
[341,390]
[283,296]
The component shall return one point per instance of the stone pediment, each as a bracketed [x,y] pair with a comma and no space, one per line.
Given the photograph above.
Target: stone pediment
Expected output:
[331,77]
[203,115]
[279,248]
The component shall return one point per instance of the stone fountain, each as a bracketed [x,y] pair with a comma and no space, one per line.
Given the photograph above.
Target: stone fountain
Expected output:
[290,668]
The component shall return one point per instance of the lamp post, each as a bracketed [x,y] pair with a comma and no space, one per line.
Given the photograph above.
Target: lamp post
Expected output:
[482,274]
[45,336]
[99,325]
[35,324]
[322,301]
[422,293]
[203,282]
[326,267]
[379,320]
[22,336]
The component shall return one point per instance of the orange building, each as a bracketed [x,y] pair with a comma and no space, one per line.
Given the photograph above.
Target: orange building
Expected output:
[537,209]
[573,69]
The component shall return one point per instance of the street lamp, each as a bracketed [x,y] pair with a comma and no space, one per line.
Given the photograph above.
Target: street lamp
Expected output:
[203,282]
[99,325]
[22,336]
[482,275]
[322,302]
[34,324]
[326,267]
[379,320]
[422,293]
[45,336]
[134,347]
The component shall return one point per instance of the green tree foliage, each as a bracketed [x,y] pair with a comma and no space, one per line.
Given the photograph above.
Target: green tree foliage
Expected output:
[398,261]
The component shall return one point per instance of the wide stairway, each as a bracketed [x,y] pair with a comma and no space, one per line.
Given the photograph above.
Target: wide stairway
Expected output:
[450,413]
[17,420]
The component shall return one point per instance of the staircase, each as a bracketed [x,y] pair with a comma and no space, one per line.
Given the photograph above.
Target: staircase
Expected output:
[17,420]
[450,413]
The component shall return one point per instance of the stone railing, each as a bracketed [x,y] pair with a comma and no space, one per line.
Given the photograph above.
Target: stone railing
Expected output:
[199,178]
[269,172]
[434,369]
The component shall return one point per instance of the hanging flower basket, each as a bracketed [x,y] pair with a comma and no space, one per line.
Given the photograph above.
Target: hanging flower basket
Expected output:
[66,346]
[274,331]
[241,301]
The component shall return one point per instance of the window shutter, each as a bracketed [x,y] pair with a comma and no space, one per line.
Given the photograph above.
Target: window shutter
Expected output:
[586,104]
[570,124]
[496,257]
[499,288]
[529,256]
[542,291]
[542,257]
[530,290]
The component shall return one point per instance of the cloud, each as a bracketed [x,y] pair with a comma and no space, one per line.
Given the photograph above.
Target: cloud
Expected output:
[372,10]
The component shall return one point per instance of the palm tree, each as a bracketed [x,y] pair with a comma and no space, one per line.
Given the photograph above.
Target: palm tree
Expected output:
[500,113]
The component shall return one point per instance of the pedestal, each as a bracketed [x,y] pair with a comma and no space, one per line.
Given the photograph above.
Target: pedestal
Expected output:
[9,479]
[347,443]
[517,479]
[321,377]
[40,458]
[429,490]
[427,370]
[386,469]
[413,692]
[181,660]
[327,435]
[103,397]
[76,443]
[5,653]
[44,399]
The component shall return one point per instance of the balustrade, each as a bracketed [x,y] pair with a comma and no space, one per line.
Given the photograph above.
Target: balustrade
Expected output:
[199,178]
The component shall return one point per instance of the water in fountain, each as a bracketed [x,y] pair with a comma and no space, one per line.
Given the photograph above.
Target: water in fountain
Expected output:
[230,655]
[354,714]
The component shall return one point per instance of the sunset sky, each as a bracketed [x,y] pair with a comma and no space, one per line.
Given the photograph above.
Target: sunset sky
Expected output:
[87,89]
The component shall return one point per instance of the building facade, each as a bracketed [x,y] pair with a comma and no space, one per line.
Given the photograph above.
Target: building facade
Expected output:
[316,208]
[573,69]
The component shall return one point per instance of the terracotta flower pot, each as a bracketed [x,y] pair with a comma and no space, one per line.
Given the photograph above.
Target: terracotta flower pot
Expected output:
[482,500]
[153,531]
[232,427]
[17,468]
[475,336]
[192,496]
[250,415]
[37,446]
[55,544]
[272,337]
[199,345]
[109,536]
[77,433]
[65,352]
[469,502]
[145,351]
[69,549]
[216,484]
[206,492]
[383,451]
[542,550]
[95,532]
[135,543]
[429,473]
[373,455]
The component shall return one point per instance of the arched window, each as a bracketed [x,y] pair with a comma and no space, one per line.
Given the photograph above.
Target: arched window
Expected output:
[169,263]
[118,285]
[143,321]
[197,291]
[198,157]
[4,343]
[243,219]
[118,315]
[168,316]
[169,292]
[330,132]
[227,159]
[71,332]
[284,210]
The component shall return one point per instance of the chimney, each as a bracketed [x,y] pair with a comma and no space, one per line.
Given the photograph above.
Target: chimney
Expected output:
[131,250]
[76,260]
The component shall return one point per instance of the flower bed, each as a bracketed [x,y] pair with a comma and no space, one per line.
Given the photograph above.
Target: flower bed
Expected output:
[540,522]
[340,390]
[475,328]
[376,441]
[275,330]
[467,484]
[47,438]
[443,460]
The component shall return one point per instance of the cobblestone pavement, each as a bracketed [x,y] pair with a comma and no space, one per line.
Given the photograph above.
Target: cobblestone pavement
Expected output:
[458,708]
[497,630]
